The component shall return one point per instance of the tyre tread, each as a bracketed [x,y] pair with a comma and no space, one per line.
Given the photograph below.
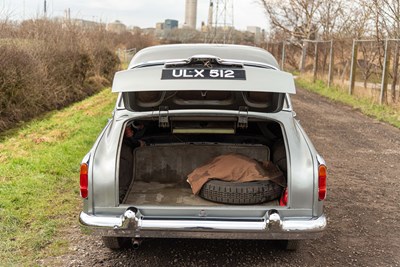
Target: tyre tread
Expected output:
[240,193]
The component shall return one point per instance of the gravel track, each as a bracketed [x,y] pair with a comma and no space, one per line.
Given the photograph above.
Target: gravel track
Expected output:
[363,210]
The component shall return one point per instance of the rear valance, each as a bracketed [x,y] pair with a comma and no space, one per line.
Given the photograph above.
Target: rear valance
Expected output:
[152,78]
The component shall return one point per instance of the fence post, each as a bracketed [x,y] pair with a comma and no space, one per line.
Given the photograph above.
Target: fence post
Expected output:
[395,71]
[303,56]
[315,67]
[283,55]
[273,49]
[330,72]
[385,75]
[353,67]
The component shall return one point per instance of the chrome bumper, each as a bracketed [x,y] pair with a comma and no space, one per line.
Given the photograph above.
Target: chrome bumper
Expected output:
[270,226]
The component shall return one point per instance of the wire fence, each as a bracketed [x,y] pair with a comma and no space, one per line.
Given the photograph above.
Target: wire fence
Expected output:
[367,68]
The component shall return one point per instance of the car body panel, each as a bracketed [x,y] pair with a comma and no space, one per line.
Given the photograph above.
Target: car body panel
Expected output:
[301,218]
[179,52]
[149,79]
[300,157]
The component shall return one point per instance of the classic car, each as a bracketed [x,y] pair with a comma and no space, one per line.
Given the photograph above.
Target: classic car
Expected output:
[188,105]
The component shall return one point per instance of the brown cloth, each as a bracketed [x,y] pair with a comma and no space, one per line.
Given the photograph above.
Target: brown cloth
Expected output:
[235,168]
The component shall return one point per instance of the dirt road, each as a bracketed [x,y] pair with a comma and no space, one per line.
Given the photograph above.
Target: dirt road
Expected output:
[363,206]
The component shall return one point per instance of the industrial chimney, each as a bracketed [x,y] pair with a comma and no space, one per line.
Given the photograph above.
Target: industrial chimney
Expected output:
[191,13]
[210,15]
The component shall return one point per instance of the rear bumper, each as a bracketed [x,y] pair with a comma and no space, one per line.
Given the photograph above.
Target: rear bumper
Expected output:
[270,226]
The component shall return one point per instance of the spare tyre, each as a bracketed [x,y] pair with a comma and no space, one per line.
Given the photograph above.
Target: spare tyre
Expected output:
[240,193]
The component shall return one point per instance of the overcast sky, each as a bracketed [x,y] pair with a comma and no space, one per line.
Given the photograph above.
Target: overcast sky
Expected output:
[142,13]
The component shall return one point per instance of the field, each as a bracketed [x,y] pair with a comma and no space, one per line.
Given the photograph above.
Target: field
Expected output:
[39,179]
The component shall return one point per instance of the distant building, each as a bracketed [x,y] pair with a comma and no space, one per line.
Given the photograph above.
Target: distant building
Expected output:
[148,31]
[159,32]
[190,14]
[87,24]
[170,24]
[254,29]
[204,27]
[136,29]
[116,27]
[160,26]
[257,33]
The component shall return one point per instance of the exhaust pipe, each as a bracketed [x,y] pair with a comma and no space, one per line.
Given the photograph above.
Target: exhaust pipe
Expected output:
[136,243]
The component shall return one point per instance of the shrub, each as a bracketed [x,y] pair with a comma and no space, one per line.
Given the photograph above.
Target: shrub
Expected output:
[48,65]
[19,82]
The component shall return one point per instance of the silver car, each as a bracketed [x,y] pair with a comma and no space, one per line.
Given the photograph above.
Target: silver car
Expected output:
[180,107]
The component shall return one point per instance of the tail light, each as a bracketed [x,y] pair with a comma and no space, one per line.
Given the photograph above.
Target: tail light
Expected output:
[284,198]
[84,180]
[321,182]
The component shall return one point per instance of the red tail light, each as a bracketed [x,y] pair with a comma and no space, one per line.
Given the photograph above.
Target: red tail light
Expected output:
[284,198]
[84,180]
[322,182]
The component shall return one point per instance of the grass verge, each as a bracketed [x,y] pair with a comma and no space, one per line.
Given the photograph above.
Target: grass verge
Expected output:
[39,178]
[383,113]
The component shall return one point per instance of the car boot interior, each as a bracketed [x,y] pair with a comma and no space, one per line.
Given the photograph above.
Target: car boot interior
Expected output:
[156,173]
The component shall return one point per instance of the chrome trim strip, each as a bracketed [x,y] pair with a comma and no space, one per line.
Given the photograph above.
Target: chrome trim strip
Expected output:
[100,221]
[271,226]
[202,225]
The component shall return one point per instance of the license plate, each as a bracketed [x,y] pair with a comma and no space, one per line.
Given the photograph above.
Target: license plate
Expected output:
[209,74]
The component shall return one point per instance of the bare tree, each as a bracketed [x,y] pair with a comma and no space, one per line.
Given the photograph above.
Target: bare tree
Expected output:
[297,18]
[334,16]
[305,19]
[344,21]
[388,25]
[389,11]
[369,62]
